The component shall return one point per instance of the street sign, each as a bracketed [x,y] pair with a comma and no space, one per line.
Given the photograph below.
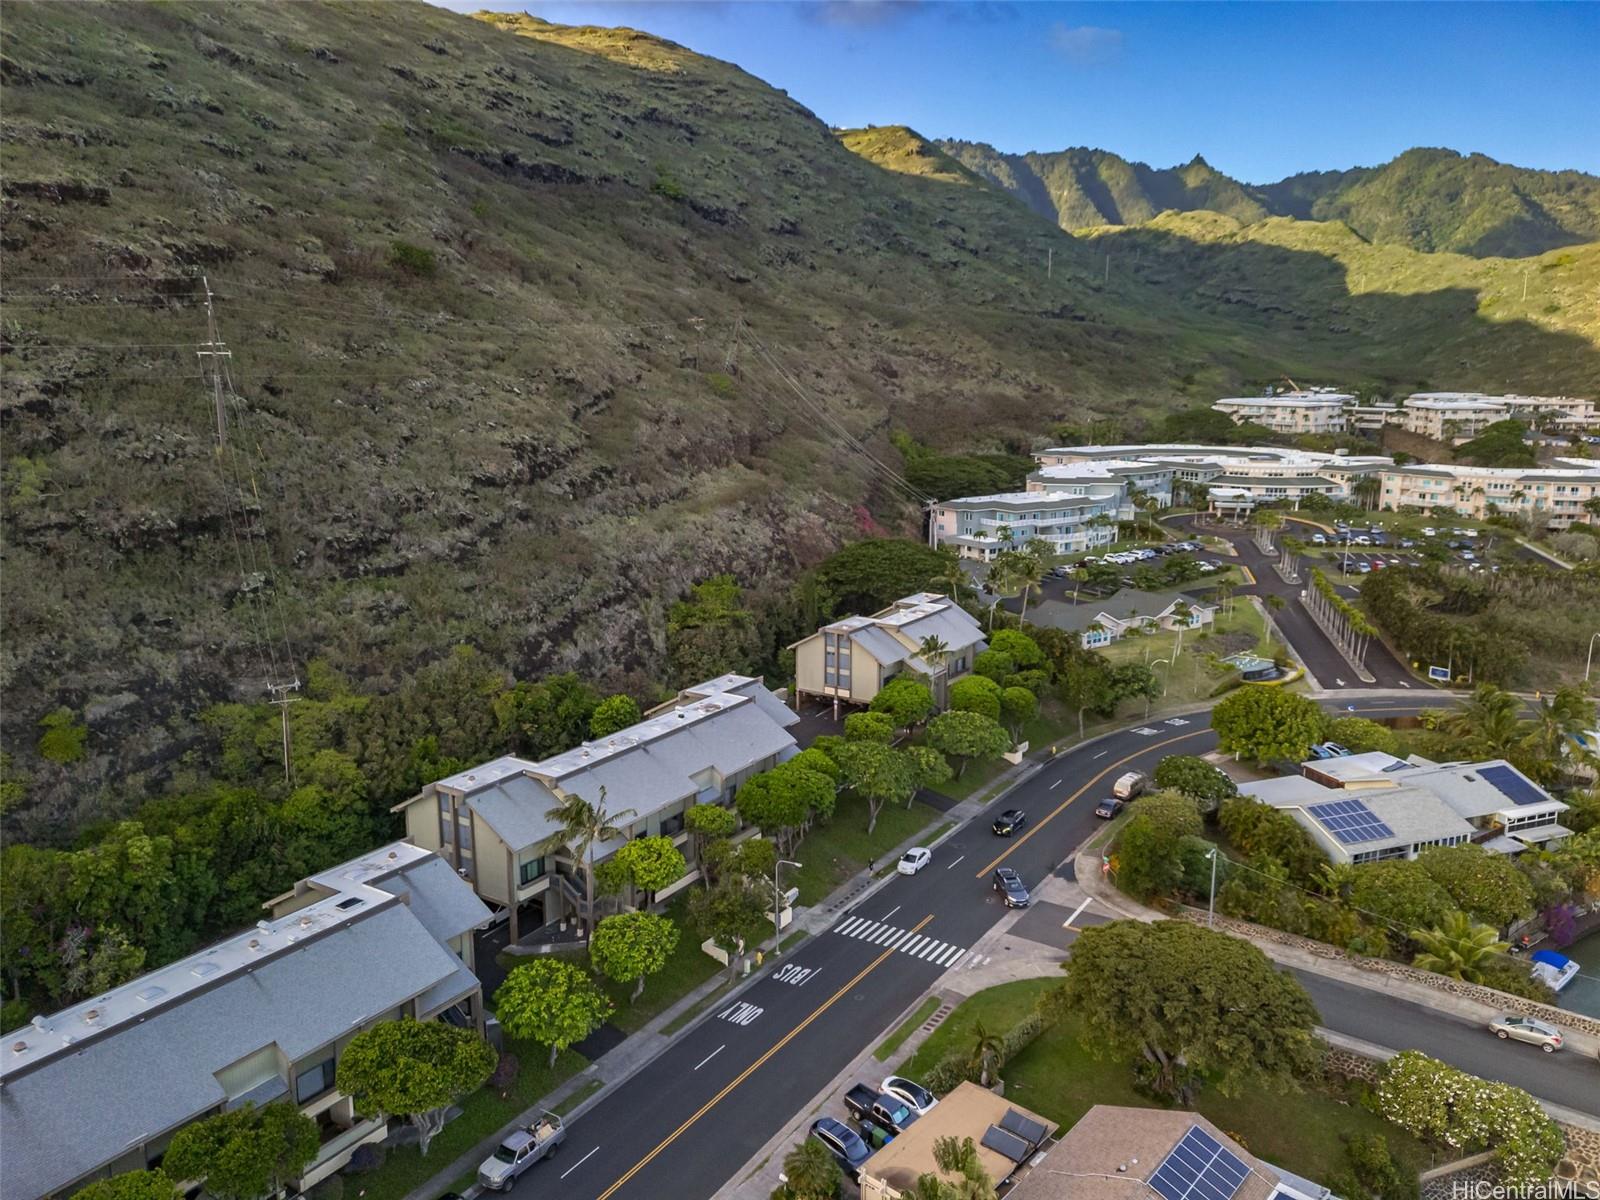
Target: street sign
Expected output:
[1441,674]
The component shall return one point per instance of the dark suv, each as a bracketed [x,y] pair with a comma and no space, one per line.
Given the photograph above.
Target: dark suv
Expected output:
[1009,822]
[844,1142]
[1009,884]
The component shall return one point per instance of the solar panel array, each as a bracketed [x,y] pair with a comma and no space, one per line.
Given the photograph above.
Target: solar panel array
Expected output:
[1350,821]
[1009,1144]
[1512,786]
[1025,1128]
[1199,1168]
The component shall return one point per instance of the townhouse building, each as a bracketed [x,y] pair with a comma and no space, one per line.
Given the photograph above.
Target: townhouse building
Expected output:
[493,822]
[1290,412]
[1254,474]
[1559,492]
[849,661]
[983,527]
[1456,417]
[101,1087]
[1363,808]
[1118,480]
[1129,610]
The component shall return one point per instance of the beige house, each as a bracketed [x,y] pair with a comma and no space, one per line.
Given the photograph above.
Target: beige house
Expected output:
[492,822]
[1290,412]
[1558,492]
[849,661]
[1116,1153]
[1006,1134]
[100,1088]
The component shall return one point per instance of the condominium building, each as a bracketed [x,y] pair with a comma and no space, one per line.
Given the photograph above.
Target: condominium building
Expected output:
[1558,492]
[1368,807]
[493,821]
[1290,412]
[1119,481]
[1457,417]
[1253,473]
[850,660]
[982,527]
[100,1088]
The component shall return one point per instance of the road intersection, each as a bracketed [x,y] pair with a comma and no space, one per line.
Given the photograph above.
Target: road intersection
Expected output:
[689,1120]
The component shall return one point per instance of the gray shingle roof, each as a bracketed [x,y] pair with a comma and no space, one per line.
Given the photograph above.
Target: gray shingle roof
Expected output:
[881,645]
[82,1108]
[438,898]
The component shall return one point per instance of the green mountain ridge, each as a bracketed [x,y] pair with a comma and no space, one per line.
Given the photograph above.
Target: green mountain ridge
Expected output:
[1427,199]
[531,327]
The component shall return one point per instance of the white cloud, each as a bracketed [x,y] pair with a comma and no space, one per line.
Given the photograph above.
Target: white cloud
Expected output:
[1086,45]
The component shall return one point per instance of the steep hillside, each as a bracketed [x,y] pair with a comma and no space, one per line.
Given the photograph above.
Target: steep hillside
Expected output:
[530,327]
[1428,200]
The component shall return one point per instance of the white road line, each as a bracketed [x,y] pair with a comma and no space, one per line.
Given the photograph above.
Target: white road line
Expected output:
[1075,912]
[1102,754]
[911,946]
[905,936]
[952,963]
[952,866]
[809,977]
[950,956]
[704,1061]
[888,932]
[850,924]
[867,930]
[579,1163]
[936,948]
[1057,783]
[891,912]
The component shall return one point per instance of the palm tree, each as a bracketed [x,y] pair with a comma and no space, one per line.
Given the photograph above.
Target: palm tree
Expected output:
[952,579]
[1457,948]
[935,651]
[1225,595]
[1001,574]
[584,826]
[1182,614]
[1366,489]
[1027,573]
[811,1171]
[1488,723]
[1556,730]
[958,1157]
[986,1051]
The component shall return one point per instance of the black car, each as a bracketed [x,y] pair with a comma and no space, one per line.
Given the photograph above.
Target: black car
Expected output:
[1009,822]
[1109,807]
[1009,884]
[844,1142]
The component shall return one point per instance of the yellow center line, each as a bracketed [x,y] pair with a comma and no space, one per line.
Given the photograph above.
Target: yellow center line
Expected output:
[1249,575]
[753,1067]
[1017,844]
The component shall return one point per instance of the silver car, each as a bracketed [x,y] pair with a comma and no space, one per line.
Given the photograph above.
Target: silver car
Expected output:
[1525,1029]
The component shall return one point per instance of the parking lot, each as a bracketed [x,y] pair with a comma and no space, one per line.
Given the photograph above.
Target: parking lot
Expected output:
[1361,550]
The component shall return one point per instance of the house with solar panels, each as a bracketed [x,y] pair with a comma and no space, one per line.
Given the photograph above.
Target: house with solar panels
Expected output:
[100,1088]
[1363,808]
[1117,1153]
[1007,1136]
[849,661]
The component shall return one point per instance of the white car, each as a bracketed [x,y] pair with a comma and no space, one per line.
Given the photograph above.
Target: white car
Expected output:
[911,1093]
[914,860]
[1525,1029]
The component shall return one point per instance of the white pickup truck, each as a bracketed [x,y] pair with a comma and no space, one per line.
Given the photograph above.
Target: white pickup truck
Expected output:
[520,1150]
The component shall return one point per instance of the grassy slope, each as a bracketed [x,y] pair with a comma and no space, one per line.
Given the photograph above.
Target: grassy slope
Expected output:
[538,444]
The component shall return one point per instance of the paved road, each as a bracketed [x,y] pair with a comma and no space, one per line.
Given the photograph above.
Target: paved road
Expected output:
[688,1121]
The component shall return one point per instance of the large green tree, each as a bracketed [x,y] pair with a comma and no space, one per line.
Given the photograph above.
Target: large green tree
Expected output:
[630,946]
[732,914]
[978,694]
[873,573]
[965,736]
[778,802]
[613,715]
[879,775]
[1190,1004]
[1265,723]
[711,633]
[906,701]
[243,1154]
[1018,706]
[552,1002]
[1400,893]
[1488,887]
[1361,734]
[869,727]
[130,1185]
[1202,782]
[1148,862]
[1458,948]
[547,717]
[1019,647]
[415,1070]
[645,864]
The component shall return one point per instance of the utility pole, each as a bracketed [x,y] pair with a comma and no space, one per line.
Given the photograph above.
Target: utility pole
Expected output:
[733,345]
[1108,267]
[1211,899]
[282,698]
[1050,262]
[215,351]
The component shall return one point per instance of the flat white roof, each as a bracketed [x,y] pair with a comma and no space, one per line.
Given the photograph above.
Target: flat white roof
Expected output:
[1032,499]
[1292,399]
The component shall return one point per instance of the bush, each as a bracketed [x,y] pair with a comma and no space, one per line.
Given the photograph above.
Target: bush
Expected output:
[975,693]
[413,260]
[957,1066]
[1372,1171]
[1262,831]
[64,738]
[1147,849]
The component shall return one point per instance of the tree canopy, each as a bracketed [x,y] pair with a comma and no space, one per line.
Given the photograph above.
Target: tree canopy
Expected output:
[1148,862]
[1360,735]
[1188,1003]
[552,1002]
[869,727]
[1019,647]
[977,694]
[1196,778]
[646,863]
[906,701]
[243,1154]
[711,632]
[965,736]
[871,574]
[1265,723]
[1401,893]
[413,1069]
[130,1185]
[612,715]
[630,946]
[1488,887]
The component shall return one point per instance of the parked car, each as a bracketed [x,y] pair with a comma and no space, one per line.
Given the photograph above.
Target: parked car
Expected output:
[520,1149]
[1319,539]
[1525,1029]
[1011,888]
[1128,786]
[913,860]
[1364,568]
[845,1143]
[1109,807]
[912,1092]
[1335,750]
[1009,822]
[1429,531]
[890,1112]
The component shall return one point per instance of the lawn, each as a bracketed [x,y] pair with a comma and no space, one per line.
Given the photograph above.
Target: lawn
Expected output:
[482,1114]
[907,1027]
[1059,1078]
[834,852]
[1192,678]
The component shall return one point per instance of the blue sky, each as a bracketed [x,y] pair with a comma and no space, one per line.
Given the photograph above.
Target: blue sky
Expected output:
[1261,90]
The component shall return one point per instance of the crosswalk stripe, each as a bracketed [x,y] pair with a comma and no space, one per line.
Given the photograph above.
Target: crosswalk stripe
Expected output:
[931,950]
[867,930]
[960,954]
[911,947]
[888,932]
[905,936]
[941,958]
[852,923]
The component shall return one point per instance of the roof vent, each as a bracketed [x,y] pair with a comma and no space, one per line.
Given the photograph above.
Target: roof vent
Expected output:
[255,943]
[305,922]
[38,1023]
[19,1047]
[67,1039]
[263,925]
[393,854]
[153,992]
[201,970]
[92,1014]
[350,902]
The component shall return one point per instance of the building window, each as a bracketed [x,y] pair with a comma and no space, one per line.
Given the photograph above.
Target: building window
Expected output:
[529,871]
[672,826]
[464,822]
[311,1082]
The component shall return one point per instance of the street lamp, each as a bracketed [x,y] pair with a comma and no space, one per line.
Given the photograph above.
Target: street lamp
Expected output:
[1589,661]
[777,900]
[1211,897]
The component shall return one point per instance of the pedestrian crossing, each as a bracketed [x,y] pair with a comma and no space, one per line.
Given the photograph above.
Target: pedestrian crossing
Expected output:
[892,937]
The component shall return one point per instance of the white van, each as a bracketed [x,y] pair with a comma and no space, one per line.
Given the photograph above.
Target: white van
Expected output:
[1129,786]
